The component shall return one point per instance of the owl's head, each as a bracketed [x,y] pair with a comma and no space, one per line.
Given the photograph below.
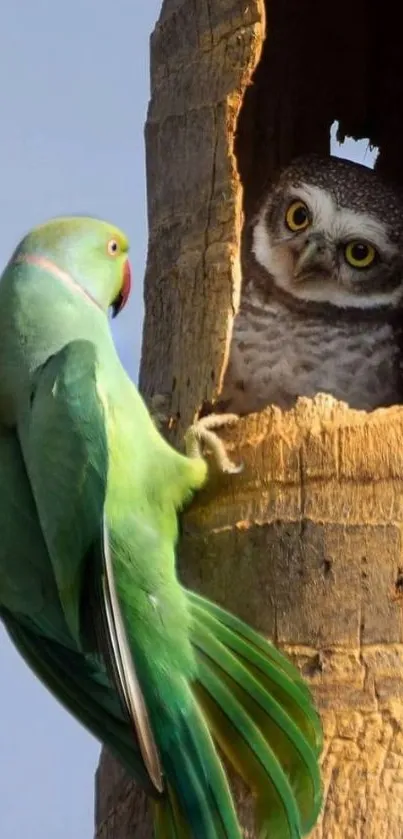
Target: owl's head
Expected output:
[332,231]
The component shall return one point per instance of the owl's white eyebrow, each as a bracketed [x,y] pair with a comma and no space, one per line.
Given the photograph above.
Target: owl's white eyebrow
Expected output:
[342,223]
[350,225]
[319,203]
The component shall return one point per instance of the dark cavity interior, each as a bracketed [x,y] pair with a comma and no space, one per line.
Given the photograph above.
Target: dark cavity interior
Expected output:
[320,64]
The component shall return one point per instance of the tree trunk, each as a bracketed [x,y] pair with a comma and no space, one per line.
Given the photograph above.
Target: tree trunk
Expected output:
[305,544]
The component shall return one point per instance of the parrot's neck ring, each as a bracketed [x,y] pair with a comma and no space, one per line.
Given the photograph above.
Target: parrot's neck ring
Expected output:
[52,268]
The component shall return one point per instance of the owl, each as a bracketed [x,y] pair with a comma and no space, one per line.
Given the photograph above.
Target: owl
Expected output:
[322,291]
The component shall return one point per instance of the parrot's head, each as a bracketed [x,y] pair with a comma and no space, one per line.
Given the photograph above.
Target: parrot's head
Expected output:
[87,255]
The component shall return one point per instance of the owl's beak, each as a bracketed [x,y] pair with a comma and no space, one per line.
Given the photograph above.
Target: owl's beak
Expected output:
[313,259]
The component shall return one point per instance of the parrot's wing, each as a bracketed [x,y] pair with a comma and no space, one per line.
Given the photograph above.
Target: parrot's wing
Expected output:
[64,445]
[111,640]
[22,584]
[80,684]
[31,613]
[64,442]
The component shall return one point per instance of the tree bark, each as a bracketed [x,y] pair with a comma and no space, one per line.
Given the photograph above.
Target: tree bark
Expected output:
[305,544]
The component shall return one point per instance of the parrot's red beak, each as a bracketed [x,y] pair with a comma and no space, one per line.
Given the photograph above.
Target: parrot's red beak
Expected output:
[122,298]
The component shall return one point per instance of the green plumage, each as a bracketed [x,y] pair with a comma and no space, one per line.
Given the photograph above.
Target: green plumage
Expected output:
[89,502]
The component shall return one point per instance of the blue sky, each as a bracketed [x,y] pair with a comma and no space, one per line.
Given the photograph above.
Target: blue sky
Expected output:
[74,92]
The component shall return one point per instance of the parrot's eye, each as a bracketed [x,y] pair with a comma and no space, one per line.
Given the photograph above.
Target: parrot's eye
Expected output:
[297,216]
[113,247]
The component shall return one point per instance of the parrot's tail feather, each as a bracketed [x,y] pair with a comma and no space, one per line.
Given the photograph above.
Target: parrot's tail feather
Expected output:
[123,667]
[164,827]
[267,664]
[247,750]
[253,638]
[262,716]
[168,823]
[105,630]
[200,801]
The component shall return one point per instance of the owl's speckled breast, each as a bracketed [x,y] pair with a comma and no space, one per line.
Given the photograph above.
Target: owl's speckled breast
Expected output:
[278,354]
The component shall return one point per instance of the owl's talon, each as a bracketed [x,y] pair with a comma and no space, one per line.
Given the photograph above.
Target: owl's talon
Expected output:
[201,435]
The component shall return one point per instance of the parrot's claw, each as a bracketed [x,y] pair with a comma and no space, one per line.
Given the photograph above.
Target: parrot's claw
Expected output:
[201,435]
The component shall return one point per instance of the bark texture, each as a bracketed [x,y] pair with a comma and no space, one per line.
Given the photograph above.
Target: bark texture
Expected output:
[203,53]
[306,544]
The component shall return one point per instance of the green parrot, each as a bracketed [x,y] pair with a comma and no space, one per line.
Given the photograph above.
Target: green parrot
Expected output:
[90,495]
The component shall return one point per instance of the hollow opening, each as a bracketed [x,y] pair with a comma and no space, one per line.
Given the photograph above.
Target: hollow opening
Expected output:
[358,151]
[318,68]
[325,84]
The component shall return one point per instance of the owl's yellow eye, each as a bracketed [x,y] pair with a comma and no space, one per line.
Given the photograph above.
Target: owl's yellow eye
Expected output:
[359,254]
[297,216]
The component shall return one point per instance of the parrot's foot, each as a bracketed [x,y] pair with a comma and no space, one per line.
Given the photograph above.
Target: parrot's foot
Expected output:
[201,434]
